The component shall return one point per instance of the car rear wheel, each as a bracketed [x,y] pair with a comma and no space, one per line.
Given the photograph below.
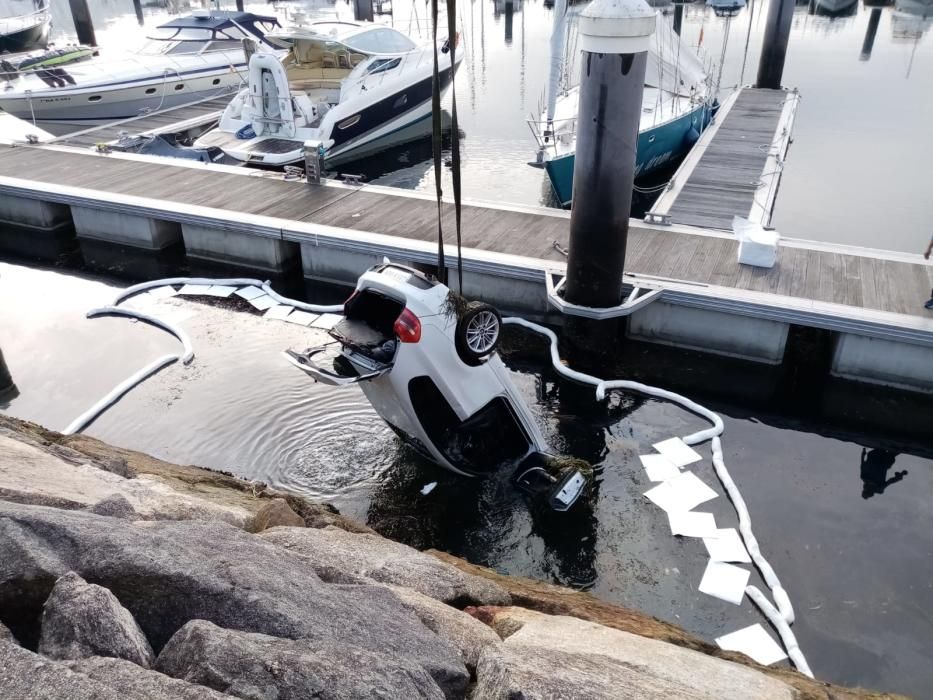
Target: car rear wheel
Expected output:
[478,332]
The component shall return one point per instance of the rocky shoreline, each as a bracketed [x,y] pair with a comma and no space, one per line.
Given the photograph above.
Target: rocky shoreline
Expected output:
[122,575]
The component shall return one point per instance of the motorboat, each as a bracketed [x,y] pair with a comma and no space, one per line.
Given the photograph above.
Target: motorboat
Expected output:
[189,58]
[676,108]
[726,8]
[354,87]
[835,8]
[27,29]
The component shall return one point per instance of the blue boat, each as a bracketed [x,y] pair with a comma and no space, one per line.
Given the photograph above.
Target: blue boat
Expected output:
[658,146]
[676,107]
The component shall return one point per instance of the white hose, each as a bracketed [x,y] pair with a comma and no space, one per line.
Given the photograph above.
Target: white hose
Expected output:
[85,418]
[781,620]
[751,543]
[783,628]
[304,306]
[231,282]
[165,325]
[79,423]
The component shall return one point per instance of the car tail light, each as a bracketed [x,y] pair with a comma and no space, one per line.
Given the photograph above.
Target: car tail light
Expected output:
[407,327]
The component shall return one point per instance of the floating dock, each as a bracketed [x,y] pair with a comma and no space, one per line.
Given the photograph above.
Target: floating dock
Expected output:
[871,302]
[194,115]
[735,167]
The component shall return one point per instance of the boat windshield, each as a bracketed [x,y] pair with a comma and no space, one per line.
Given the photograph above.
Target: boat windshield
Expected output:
[179,40]
[381,40]
[323,54]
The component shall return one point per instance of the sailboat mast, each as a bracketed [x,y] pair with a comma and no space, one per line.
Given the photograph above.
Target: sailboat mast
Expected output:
[558,45]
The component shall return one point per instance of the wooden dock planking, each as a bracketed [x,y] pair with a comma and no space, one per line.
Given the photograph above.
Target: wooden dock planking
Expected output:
[727,177]
[818,274]
[159,121]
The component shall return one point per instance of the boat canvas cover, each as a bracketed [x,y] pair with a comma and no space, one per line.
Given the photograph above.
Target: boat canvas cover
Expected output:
[672,66]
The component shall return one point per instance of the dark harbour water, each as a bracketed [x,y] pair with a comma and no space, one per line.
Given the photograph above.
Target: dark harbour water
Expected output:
[858,564]
[862,159]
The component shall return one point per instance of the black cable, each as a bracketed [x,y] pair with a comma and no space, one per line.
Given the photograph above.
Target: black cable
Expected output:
[452,41]
[436,147]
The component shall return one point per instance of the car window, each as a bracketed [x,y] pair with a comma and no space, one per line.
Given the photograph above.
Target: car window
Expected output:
[407,277]
[489,438]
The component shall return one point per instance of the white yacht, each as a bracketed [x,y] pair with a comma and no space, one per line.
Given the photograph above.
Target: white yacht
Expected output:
[189,58]
[355,87]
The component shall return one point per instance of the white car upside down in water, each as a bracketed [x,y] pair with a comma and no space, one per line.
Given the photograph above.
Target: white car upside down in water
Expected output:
[426,360]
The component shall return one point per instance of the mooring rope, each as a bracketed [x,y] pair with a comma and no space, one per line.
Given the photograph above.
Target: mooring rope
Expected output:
[436,146]
[452,41]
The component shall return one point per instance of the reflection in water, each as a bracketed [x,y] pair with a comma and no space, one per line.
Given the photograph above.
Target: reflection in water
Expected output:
[909,22]
[835,8]
[8,390]
[870,31]
[874,471]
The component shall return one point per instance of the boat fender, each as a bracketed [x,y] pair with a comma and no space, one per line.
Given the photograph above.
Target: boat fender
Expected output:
[246,132]
[692,136]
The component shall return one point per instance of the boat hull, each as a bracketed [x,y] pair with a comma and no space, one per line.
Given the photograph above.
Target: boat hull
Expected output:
[657,147]
[79,107]
[34,37]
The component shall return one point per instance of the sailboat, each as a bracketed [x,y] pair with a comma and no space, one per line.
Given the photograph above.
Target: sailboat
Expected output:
[676,107]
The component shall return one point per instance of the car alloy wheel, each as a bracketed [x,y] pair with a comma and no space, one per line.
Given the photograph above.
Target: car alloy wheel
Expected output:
[482,332]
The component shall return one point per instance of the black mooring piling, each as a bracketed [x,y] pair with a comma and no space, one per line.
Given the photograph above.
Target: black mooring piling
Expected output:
[614,40]
[870,33]
[138,7]
[84,25]
[363,10]
[612,81]
[774,44]
[509,16]
[678,17]
[239,5]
